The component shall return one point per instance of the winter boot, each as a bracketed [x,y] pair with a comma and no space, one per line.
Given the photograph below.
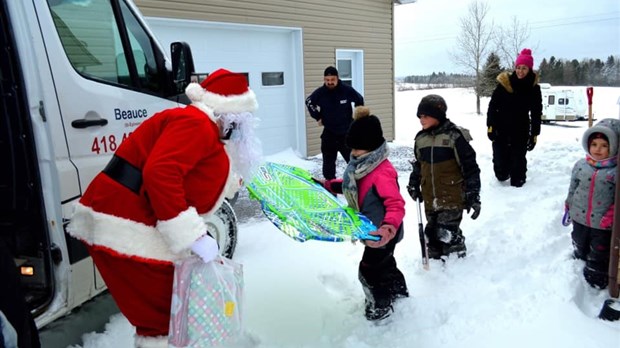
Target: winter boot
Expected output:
[596,279]
[502,176]
[378,302]
[399,289]
[456,245]
[378,310]
[435,252]
[517,182]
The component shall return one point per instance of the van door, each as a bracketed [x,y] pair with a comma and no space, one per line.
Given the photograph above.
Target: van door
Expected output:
[107,72]
[109,76]
[548,107]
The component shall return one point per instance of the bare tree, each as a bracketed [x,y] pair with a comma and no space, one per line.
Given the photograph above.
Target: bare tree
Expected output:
[473,43]
[510,39]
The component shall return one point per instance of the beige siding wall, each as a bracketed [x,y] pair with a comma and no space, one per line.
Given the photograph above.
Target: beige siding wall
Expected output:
[327,25]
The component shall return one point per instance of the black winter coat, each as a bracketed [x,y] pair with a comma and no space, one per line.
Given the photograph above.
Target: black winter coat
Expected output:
[515,108]
[333,107]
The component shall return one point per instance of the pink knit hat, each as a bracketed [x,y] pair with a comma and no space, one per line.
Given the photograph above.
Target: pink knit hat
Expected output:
[525,58]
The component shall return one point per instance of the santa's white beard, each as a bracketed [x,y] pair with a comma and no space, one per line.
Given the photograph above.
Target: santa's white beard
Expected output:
[244,148]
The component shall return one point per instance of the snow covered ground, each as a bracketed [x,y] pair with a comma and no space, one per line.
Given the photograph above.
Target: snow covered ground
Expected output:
[517,287]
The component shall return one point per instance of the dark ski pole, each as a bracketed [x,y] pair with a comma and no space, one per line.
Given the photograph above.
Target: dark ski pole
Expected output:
[422,237]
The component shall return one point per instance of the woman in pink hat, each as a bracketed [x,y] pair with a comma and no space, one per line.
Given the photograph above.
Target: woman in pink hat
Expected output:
[513,119]
[143,211]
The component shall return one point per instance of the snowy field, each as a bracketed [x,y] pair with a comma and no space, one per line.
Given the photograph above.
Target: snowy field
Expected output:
[518,286]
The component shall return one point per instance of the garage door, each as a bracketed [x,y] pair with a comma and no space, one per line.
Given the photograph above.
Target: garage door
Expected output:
[270,56]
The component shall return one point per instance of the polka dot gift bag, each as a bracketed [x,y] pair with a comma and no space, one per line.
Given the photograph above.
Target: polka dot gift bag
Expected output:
[206,303]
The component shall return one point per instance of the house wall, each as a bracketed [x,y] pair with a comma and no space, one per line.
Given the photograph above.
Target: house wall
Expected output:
[327,25]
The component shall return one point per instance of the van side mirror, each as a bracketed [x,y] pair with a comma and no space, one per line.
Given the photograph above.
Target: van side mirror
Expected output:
[182,65]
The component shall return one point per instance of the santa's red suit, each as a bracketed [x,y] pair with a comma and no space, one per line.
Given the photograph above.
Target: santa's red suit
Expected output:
[135,228]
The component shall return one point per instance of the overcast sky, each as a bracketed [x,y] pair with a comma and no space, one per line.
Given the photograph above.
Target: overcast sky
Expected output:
[426,31]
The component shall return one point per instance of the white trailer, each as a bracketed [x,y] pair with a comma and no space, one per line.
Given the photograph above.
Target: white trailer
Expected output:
[563,103]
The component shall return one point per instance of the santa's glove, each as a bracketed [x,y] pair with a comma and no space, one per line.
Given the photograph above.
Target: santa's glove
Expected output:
[415,193]
[386,232]
[206,247]
[491,133]
[566,220]
[472,201]
[531,142]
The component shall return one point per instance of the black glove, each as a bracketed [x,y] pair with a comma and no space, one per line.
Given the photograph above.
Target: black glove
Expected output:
[491,133]
[531,142]
[472,201]
[415,193]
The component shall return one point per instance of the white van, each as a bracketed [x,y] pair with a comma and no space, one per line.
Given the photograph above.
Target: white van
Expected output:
[77,77]
[563,103]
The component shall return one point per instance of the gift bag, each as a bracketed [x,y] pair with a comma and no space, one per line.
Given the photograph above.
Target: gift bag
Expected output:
[206,303]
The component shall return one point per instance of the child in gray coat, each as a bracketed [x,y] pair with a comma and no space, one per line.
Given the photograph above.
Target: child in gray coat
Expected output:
[590,200]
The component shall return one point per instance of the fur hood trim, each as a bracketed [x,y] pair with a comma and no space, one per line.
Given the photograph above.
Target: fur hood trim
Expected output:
[504,80]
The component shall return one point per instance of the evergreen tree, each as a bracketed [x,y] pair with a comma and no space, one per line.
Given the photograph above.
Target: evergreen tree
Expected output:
[491,69]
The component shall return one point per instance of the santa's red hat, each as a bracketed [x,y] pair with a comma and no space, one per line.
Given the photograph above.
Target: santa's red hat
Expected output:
[224,92]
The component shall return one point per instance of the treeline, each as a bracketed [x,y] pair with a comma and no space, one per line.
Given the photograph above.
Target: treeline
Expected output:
[559,72]
[438,80]
[593,72]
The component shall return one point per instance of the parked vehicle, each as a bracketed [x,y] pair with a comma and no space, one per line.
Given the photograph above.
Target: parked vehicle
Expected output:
[563,103]
[76,78]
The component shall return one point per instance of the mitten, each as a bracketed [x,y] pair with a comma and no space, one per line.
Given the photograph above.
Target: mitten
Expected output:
[491,133]
[472,201]
[531,142]
[206,247]
[386,232]
[608,219]
[415,193]
[334,186]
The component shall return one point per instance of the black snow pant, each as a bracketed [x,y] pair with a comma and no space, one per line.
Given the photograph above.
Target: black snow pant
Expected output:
[12,302]
[331,145]
[592,245]
[509,159]
[381,280]
[443,233]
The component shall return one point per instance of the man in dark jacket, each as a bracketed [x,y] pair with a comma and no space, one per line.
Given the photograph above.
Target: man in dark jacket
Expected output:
[330,106]
[513,119]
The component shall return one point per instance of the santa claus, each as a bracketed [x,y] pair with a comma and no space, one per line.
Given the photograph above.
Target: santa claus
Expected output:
[143,211]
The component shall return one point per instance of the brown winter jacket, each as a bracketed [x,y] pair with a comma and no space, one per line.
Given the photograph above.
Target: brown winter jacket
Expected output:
[445,168]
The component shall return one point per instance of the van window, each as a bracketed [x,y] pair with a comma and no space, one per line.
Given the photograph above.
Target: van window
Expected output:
[91,39]
[563,101]
[551,99]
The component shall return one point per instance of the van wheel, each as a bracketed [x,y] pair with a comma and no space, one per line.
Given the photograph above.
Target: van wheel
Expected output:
[223,227]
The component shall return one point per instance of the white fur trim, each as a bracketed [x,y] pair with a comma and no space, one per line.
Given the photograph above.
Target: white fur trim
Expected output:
[121,235]
[151,342]
[183,230]
[221,104]
[194,92]
[232,185]
[206,109]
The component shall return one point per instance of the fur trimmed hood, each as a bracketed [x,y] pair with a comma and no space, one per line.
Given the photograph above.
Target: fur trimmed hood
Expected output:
[504,80]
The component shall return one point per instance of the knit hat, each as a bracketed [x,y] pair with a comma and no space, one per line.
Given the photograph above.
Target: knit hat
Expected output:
[365,132]
[433,105]
[609,128]
[330,71]
[224,92]
[525,58]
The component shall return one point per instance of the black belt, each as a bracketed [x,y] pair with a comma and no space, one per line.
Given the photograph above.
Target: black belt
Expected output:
[124,173]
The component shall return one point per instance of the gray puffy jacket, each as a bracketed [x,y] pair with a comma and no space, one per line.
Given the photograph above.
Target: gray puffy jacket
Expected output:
[592,186]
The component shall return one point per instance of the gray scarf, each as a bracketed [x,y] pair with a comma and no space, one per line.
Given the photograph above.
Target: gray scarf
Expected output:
[358,168]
